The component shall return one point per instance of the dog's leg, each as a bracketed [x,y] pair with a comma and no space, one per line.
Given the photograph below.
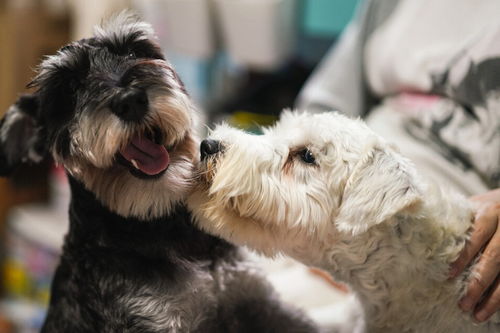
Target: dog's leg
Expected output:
[268,315]
[250,304]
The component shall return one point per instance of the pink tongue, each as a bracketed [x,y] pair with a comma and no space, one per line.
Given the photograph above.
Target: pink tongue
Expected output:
[146,155]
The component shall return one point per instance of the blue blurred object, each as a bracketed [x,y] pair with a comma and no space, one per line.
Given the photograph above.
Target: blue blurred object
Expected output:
[195,74]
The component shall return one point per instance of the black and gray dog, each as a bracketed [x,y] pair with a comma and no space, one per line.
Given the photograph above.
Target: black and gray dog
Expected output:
[113,112]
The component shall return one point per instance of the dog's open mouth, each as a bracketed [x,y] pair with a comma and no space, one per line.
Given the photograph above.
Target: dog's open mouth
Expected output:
[145,156]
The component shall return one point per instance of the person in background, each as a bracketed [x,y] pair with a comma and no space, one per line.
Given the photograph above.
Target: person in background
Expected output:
[425,74]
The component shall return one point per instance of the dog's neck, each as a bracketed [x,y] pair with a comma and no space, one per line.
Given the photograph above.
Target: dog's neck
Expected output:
[93,225]
[403,262]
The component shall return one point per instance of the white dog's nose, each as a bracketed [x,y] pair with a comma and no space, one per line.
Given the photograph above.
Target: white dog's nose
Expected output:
[209,147]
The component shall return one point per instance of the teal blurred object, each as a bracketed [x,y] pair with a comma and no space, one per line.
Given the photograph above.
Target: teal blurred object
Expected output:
[327,18]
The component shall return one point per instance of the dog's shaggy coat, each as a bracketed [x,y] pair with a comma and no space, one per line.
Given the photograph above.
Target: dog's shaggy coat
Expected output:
[328,191]
[113,112]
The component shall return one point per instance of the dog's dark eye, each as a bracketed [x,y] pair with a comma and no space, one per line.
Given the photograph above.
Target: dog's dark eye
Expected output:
[132,55]
[307,156]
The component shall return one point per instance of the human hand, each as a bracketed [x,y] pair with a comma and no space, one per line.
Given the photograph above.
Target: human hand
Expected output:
[485,279]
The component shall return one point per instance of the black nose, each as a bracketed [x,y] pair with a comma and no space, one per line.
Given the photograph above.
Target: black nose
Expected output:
[130,105]
[209,147]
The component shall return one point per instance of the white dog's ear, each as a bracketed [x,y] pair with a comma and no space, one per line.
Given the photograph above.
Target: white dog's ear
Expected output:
[381,185]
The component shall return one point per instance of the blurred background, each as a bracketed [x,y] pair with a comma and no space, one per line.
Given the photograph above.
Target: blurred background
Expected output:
[241,60]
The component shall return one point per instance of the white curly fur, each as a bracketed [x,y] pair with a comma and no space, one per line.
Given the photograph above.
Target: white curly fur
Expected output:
[359,211]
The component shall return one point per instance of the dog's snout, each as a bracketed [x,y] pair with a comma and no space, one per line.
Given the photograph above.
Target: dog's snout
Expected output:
[130,105]
[209,147]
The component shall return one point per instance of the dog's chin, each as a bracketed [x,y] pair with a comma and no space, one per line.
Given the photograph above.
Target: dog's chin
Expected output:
[207,169]
[222,210]
[226,222]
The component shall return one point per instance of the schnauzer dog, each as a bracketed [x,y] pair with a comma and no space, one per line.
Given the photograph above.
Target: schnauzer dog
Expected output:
[328,191]
[113,112]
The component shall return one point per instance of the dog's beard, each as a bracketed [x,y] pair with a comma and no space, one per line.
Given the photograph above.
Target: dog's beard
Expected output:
[98,138]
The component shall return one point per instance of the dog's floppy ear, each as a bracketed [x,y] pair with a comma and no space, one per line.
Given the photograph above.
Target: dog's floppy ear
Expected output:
[20,137]
[381,185]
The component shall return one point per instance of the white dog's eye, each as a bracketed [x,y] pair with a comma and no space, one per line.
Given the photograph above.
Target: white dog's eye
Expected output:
[307,156]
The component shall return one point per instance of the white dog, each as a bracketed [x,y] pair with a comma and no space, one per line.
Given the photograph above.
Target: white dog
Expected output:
[328,191]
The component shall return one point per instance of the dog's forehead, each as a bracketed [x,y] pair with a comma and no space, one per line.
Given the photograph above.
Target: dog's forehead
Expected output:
[318,129]
[305,129]
[123,26]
